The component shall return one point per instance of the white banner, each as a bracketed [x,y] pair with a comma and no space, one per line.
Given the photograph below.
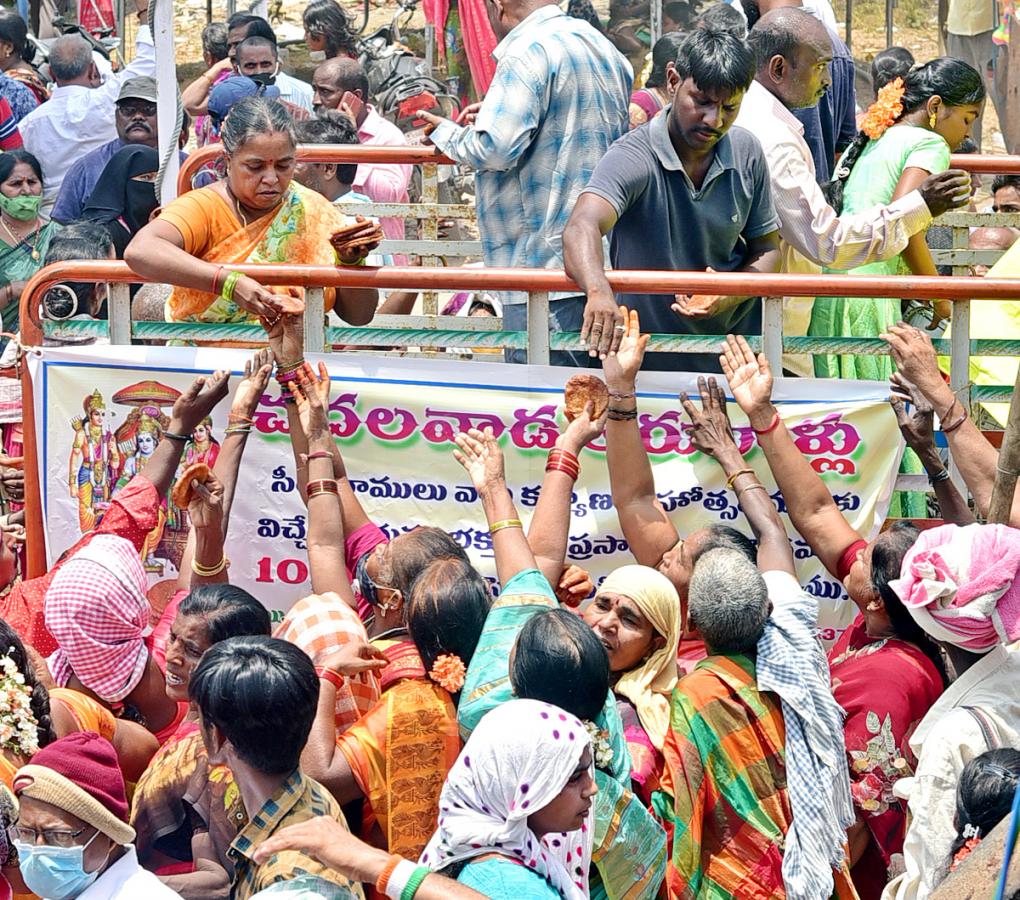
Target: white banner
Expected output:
[98,411]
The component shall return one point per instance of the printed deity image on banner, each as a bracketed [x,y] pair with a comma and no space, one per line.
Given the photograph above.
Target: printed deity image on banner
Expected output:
[104,458]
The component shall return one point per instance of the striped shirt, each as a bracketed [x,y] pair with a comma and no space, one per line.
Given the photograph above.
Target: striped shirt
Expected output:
[559,98]
[297,800]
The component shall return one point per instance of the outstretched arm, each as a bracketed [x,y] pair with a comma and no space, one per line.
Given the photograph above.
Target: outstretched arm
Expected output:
[644,523]
[812,510]
[584,261]
[322,759]
[976,458]
[478,452]
[918,431]
[325,525]
[712,435]
[548,533]
[333,845]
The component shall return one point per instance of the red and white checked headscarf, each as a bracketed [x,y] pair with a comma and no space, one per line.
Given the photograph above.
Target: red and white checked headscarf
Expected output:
[320,624]
[96,609]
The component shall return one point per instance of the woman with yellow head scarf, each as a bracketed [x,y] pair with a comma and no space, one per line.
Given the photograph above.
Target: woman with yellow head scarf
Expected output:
[636,615]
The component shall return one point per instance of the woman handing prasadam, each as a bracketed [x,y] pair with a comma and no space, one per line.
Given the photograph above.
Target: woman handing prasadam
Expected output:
[257,214]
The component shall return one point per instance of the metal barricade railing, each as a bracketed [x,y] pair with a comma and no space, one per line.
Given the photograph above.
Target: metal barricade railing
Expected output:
[445,331]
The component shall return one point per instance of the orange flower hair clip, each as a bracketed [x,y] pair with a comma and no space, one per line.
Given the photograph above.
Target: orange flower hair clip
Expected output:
[886,109]
[448,672]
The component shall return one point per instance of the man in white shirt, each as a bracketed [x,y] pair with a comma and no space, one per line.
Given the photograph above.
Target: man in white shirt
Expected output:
[242,26]
[81,114]
[792,53]
[72,834]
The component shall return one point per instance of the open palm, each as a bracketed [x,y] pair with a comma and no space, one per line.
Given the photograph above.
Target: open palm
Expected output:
[750,377]
[479,453]
[622,367]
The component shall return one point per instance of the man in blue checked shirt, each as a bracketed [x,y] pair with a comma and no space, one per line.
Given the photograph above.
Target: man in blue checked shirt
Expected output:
[559,98]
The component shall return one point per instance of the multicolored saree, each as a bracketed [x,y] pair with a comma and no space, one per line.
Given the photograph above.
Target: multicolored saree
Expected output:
[629,853]
[297,234]
[401,751]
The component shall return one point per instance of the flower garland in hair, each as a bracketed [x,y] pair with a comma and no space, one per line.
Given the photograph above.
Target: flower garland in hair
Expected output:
[973,835]
[19,730]
[600,748]
[448,672]
[885,111]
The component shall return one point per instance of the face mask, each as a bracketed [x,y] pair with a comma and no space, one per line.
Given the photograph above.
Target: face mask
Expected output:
[56,873]
[317,55]
[365,583]
[264,79]
[24,208]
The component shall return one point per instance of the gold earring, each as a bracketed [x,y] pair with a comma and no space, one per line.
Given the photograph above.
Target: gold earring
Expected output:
[931,120]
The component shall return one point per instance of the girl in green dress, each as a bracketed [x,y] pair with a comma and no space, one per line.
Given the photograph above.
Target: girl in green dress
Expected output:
[907,135]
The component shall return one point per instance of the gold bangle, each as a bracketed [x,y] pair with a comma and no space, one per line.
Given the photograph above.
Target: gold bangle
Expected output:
[505,523]
[736,475]
[204,572]
[751,487]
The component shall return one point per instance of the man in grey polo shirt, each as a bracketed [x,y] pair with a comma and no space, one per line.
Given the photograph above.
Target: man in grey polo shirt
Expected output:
[682,192]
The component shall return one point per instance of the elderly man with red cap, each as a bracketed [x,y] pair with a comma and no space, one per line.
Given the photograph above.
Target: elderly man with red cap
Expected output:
[72,834]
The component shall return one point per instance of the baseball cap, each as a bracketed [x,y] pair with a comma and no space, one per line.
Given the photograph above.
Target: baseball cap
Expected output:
[232,89]
[141,87]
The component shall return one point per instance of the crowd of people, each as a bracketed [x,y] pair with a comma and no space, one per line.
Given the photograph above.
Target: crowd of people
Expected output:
[406,730]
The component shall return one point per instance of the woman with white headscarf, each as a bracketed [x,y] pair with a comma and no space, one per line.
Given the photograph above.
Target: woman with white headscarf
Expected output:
[636,615]
[515,814]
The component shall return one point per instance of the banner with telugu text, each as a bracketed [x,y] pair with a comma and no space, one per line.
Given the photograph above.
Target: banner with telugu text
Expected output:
[100,411]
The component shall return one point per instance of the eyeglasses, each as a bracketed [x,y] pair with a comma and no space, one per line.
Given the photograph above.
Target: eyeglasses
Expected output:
[129,109]
[50,838]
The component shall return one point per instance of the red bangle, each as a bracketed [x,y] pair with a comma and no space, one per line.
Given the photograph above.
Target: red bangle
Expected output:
[558,467]
[384,876]
[238,417]
[773,425]
[557,453]
[320,454]
[334,678]
[216,279]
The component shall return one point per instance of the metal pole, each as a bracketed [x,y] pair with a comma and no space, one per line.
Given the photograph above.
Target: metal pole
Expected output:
[889,5]
[656,23]
[168,94]
[849,23]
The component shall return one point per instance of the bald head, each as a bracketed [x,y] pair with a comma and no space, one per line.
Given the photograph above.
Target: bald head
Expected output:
[992,238]
[336,77]
[792,53]
[71,61]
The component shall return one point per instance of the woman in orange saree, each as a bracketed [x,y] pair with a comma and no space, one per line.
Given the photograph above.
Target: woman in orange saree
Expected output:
[258,214]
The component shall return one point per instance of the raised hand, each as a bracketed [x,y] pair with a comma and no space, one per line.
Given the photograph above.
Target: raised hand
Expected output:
[918,426]
[206,507]
[914,355]
[750,377]
[710,432]
[479,453]
[603,326]
[256,376]
[311,394]
[583,430]
[198,401]
[622,367]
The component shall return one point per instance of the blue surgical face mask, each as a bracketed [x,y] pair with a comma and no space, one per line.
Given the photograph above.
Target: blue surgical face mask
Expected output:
[56,873]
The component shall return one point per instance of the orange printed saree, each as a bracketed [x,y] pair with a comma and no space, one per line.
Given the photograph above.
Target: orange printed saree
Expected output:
[400,754]
[297,233]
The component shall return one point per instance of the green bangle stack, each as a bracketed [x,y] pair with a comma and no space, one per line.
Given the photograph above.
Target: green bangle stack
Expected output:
[227,291]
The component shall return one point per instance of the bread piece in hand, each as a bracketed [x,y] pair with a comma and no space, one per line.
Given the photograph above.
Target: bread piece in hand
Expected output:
[581,390]
[183,492]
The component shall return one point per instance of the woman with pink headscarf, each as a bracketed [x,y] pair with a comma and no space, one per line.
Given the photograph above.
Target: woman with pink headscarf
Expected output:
[960,585]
